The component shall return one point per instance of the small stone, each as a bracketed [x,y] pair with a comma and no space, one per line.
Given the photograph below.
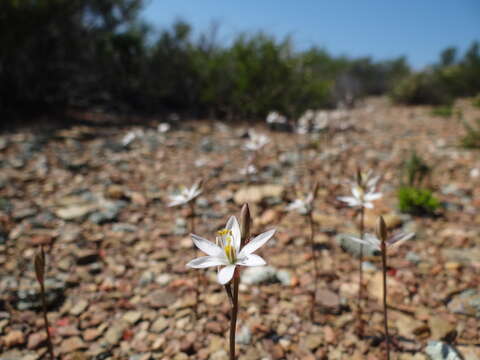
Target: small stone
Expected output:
[79,307]
[159,325]
[72,344]
[92,334]
[132,317]
[36,339]
[312,342]
[467,303]
[438,350]
[14,338]
[328,301]
[114,333]
[87,256]
[440,328]
[244,336]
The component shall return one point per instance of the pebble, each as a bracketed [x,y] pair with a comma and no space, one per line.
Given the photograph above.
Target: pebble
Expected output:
[438,350]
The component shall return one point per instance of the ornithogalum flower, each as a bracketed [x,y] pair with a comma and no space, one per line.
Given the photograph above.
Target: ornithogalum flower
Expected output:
[227,253]
[185,195]
[361,197]
[374,242]
[256,141]
[302,205]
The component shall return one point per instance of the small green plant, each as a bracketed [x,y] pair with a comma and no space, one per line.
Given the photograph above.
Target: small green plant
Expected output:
[415,170]
[445,111]
[417,201]
[471,140]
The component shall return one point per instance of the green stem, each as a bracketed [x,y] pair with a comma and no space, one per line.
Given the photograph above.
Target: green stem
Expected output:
[385,314]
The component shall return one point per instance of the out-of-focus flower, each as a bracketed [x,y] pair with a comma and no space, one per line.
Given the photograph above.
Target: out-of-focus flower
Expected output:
[131,136]
[256,141]
[227,253]
[360,197]
[302,205]
[249,170]
[373,241]
[186,195]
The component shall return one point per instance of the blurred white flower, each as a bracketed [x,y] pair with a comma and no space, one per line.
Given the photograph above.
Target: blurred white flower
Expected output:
[303,206]
[163,127]
[249,170]
[256,141]
[276,118]
[226,252]
[360,197]
[131,136]
[185,196]
[372,241]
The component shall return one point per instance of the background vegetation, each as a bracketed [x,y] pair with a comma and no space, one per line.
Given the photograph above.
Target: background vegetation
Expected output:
[59,55]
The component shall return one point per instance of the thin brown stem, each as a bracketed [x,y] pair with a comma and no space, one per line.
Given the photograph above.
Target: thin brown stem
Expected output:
[315,263]
[233,319]
[360,276]
[385,313]
[199,274]
[45,319]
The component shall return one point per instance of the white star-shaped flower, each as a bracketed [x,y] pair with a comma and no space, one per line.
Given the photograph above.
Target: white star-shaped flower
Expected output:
[303,206]
[226,252]
[185,196]
[372,241]
[361,197]
[256,141]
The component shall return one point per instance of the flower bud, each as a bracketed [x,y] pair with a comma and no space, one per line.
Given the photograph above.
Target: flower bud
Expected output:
[381,229]
[245,224]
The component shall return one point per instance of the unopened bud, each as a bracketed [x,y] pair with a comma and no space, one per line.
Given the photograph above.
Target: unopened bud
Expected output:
[245,224]
[359,177]
[381,229]
[39,263]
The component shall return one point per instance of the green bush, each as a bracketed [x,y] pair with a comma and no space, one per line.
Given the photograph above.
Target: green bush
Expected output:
[417,201]
[421,88]
[415,170]
[445,111]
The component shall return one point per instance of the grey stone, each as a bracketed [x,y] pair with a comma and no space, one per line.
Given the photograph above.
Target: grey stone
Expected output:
[466,303]
[438,350]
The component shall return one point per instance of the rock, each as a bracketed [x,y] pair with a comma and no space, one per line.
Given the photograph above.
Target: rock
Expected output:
[14,338]
[257,193]
[462,256]
[87,256]
[441,329]
[159,325]
[467,303]
[161,298]
[312,342]
[392,220]
[244,336]
[408,326]
[115,332]
[79,307]
[414,258]
[259,274]
[328,301]
[72,344]
[132,317]
[92,333]
[438,350]
[74,212]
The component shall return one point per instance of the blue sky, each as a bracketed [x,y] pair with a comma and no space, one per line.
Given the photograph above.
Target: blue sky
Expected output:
[419,29]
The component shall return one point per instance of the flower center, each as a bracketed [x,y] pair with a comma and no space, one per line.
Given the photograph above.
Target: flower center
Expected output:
[225,238]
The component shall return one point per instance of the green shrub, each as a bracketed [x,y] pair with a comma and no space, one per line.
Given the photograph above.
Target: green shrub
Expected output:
[445,111]
[421,88]
[417,201]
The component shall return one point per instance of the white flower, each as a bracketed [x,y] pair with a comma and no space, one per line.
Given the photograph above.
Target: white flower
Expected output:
[373,241]
[303,206]
[227,251]
[186,195]
[360,197]
[256,141]
[249,170]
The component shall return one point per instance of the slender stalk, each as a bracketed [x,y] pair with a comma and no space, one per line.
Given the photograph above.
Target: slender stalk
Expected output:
[199,275]
[233,319]
[45,319]
[315,263]
[360,276]
[385,314]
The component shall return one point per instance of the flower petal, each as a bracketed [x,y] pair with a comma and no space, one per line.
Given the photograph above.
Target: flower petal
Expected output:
[226,274]
[399,238]
[232,224]
[368,205]
[251,260]
[373,241]
[373,196]
[207,261]
[256,242]
[357,192]
[360,241]
[206,246]
[351,201]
